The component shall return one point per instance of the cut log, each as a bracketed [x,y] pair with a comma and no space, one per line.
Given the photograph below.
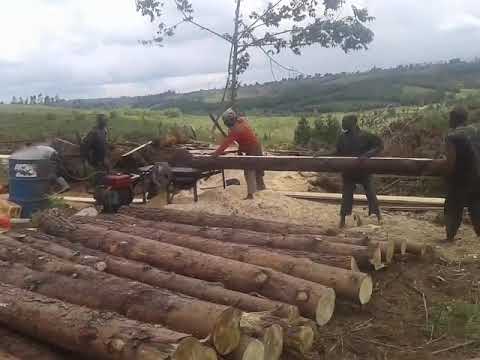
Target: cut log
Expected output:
[26,348]
[137,301]
[144,273]
[273,342]
[92,333]
[381,166]
[249,349]
[388,250]
[400,246]
[298,337]
[313,300]
[416,248]
[236,222]
[355,286]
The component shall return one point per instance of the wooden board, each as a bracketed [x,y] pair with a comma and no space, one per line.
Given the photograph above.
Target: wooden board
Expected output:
[406,201]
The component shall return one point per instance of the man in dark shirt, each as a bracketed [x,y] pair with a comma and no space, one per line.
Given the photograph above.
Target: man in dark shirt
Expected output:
[95,144]
[357,143]
[463,157]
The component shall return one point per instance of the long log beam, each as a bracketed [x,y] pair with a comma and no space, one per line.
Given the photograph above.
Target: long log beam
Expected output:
[384,166]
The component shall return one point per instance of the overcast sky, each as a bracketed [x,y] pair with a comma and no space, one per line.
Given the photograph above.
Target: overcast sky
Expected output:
[89,48]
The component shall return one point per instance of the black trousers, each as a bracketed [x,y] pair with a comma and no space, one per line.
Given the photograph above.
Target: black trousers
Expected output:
[349,185]
[460,197]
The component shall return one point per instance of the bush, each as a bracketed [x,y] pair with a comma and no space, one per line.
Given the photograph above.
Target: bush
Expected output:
[325,131]
[173,113]
[303,132]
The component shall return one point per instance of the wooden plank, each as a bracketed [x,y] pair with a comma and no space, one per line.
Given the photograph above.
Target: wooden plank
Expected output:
[407,201]
[6,157]
[90,200]
[391,166]
[137,149]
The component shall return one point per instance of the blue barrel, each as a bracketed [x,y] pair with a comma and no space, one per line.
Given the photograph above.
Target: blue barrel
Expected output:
[31,172]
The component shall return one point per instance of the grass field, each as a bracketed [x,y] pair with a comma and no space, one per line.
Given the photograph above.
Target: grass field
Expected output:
[38,123]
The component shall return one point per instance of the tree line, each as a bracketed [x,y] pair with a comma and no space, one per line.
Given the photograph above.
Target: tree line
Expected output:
[39,99]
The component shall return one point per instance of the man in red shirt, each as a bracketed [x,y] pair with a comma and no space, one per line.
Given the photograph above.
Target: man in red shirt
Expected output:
[248,144]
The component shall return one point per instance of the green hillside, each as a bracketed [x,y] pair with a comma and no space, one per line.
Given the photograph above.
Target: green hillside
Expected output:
[403,86]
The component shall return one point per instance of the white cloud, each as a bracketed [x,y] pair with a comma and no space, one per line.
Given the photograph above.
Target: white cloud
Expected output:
[90,48]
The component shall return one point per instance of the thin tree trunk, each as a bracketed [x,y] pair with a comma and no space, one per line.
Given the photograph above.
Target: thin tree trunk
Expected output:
[87,287]
[352,285]
[26,348]
[144,273]
[92,333]
[228,221]
[234,85]
[313,300]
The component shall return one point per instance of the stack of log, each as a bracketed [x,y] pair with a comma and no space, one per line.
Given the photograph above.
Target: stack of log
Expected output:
[165,284]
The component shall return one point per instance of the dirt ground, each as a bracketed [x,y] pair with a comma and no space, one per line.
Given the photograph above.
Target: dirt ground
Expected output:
[398,323]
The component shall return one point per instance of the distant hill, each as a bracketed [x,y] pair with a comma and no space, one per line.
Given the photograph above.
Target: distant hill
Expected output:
[418,84]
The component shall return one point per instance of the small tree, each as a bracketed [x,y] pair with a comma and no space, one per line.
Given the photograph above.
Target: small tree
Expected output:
[283,24]
[14,100]
[303,132]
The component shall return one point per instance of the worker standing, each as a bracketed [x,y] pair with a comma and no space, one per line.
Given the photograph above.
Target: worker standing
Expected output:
[241,132]
[355,142]
[95,148]
[463,158]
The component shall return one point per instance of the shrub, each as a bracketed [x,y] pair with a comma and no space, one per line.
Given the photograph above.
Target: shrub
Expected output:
[172,113]
[326,131]
[302,132]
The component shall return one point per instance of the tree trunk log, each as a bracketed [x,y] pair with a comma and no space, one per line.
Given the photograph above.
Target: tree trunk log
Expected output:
[27,349]
[387,248]
[92,333]
[355,286]
[249,349]
[144,273]
[314,300]
[298,337]
[381,166]
[87,287]
[228,221]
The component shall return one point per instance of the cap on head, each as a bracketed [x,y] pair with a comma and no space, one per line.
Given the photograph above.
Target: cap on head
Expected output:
[102,120]
[350,122]
[458,117]
[229,117]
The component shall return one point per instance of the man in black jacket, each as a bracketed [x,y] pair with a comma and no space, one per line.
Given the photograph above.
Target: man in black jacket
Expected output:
[355,142]
[463,157]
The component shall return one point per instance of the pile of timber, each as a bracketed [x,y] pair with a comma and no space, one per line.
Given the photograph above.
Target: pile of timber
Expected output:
[166,284]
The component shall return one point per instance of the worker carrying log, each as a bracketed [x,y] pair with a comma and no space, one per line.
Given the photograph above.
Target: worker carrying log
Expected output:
[355,142]
[241,132]
[463,158]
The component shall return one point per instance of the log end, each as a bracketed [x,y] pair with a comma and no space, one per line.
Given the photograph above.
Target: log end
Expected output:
[354,265]
[191,349]
[366,290]
[325,307]
[376,257]
[255,350]
[226,334]
[389,251]
[273,342]
[301,339]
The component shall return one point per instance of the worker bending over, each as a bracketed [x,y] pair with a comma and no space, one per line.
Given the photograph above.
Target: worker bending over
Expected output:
[463,158]
[248,144]
[357,143]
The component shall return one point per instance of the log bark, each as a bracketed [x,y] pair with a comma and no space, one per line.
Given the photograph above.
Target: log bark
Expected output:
[27,349]
[92,333]
[228,221]
[147,274]
[355,286]
[313,300]
[381,166]
[87,287]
